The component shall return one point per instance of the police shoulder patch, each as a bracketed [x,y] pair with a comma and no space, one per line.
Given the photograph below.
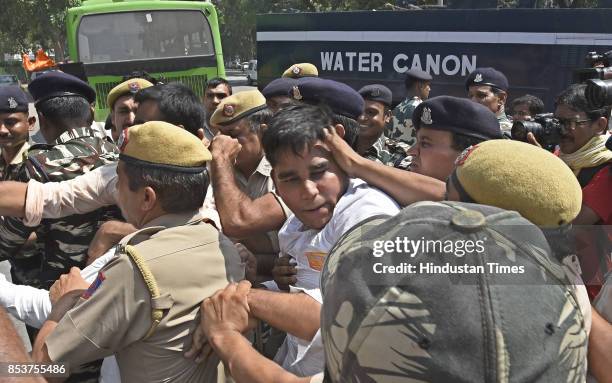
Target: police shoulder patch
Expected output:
[94,286]
[464,155]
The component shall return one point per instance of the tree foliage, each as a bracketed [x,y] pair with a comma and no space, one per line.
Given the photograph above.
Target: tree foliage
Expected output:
[29,24]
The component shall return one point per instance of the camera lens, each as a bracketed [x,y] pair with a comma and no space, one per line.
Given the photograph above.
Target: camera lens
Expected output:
[598,93]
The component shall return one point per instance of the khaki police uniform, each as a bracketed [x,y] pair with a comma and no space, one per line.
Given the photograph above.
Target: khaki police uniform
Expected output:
[143,305]
[187,259]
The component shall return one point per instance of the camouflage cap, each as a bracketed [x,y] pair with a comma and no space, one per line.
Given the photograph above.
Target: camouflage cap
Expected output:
[158,144]
[238,106]
[301,70]
[130,86]
[518,176]
[430,326]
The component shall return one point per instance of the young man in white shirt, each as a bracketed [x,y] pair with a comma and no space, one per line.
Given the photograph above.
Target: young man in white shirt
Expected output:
[326,203]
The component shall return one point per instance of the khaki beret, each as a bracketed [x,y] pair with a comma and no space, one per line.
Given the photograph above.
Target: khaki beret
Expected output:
[158,144]
[132,86]
[301,70]
[518,176]
[238,106]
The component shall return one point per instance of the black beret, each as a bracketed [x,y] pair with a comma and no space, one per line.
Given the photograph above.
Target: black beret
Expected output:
[377,92]
[59,84]
[458,115]
[487,76]
[419,75]
[279,87]
[13,99]
[341,98]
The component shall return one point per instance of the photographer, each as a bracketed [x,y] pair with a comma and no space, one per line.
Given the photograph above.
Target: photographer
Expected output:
[583,135]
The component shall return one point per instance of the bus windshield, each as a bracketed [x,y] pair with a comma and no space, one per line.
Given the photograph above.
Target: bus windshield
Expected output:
[143,35]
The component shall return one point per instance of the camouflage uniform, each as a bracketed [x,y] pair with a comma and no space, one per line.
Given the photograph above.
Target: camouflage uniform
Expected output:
[400,127]
[389,152]
[504,123]
[9,171]
[62,243]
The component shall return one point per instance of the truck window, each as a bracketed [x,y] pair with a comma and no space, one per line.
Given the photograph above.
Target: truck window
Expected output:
[143,35]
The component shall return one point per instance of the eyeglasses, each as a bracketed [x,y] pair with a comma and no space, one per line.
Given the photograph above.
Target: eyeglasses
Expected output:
[570,123]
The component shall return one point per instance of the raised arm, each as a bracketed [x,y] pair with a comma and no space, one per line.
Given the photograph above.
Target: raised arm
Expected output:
[403,186]
[80,195]
[241,216]
[13,198]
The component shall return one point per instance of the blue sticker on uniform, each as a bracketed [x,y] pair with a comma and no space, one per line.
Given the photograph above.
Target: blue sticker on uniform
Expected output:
[94,286]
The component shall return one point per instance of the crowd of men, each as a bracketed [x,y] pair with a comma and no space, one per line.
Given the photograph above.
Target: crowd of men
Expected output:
[234,237]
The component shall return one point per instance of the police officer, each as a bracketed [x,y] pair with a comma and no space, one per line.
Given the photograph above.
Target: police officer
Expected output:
[277,93]
[301,70]
[65,114]
[418,86]
[371,142]
[244,195]
[143,303]
[120,101]
[15,125]
[489,87]
[345,103]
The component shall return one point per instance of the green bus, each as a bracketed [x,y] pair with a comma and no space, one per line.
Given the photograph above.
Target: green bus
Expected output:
[176,40]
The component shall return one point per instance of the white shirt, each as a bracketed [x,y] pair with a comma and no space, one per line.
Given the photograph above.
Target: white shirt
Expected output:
[32,306]
[308,247]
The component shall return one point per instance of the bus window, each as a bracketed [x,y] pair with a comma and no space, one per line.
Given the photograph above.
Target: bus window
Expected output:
[142,35]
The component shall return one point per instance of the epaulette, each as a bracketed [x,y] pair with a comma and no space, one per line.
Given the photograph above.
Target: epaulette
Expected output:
[158,304]
[40,147]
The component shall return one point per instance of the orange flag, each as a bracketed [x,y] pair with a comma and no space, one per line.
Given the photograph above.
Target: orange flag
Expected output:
[42,62]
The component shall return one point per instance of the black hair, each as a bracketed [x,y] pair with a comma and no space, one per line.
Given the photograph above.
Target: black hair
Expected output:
[535,105]
[140,74]
[258,118]
[351,128]
[574,97]
[177,192]
[295,127]
[461,142]
[177,103]
[216,81]
[67,111]
[410,81]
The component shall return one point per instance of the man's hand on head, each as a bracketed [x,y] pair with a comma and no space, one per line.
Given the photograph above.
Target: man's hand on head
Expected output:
[344,155]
